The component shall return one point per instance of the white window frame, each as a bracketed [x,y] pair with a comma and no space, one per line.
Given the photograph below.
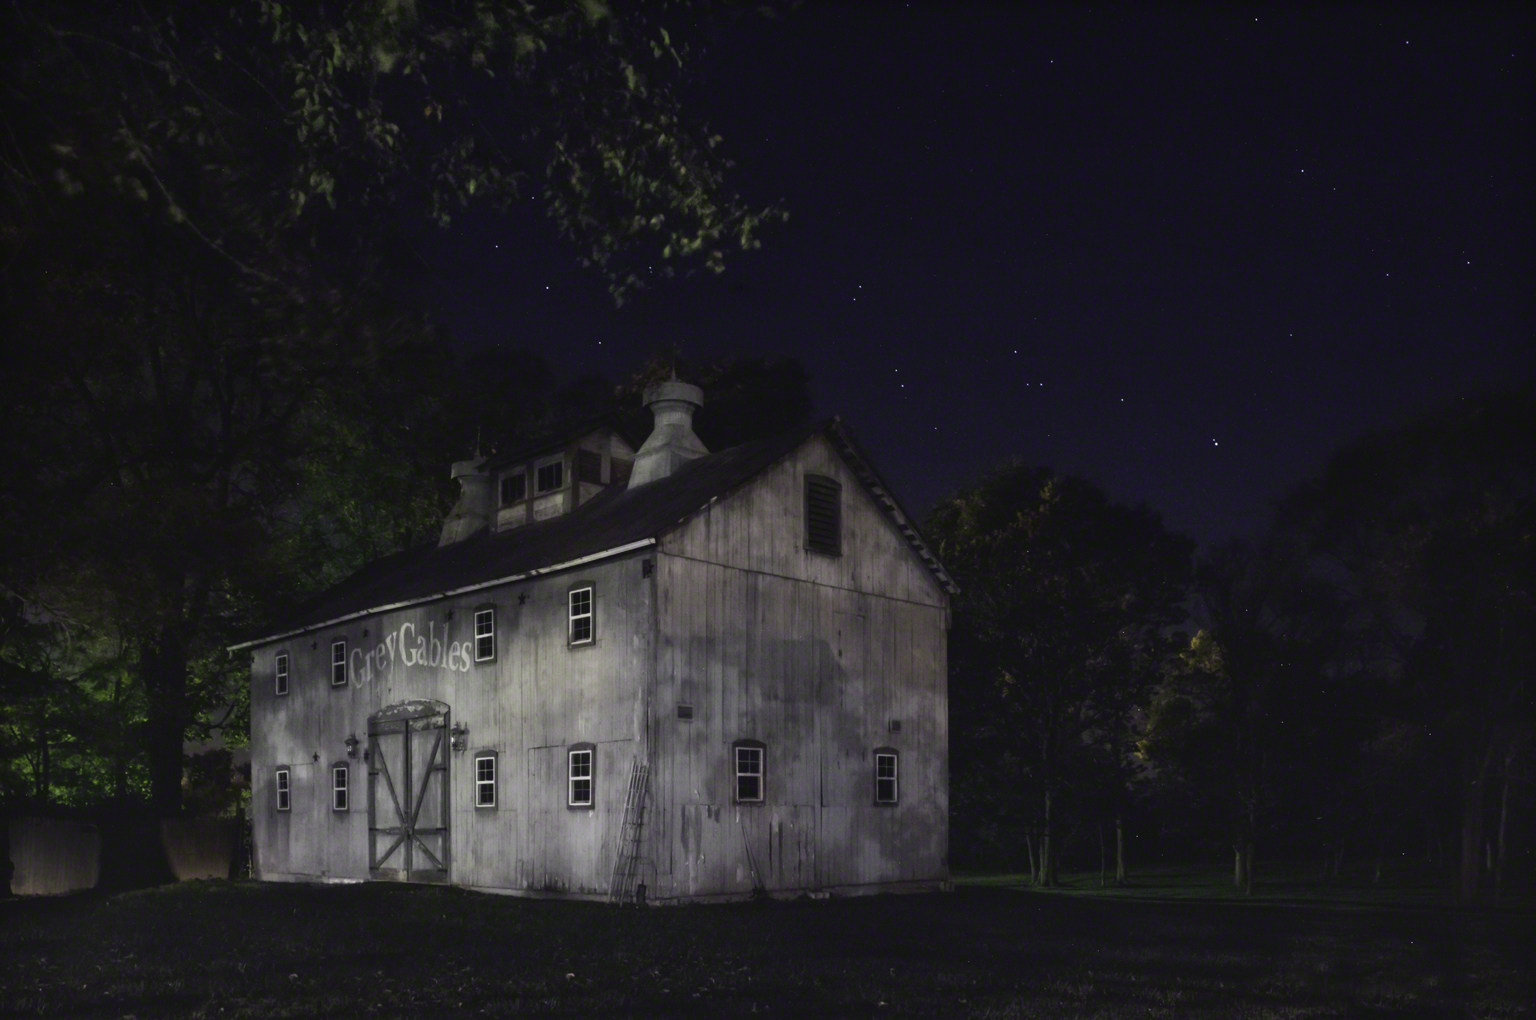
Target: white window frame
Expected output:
[339,662]
[590,616]
[284,799]
[538,486]
[894,778]
[487,616]
[578,769]
[341,794]
[485,785]
[519,473]
[760,774]
[280,672]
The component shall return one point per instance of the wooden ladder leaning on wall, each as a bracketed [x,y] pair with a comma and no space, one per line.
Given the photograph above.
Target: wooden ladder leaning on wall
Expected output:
[622,886]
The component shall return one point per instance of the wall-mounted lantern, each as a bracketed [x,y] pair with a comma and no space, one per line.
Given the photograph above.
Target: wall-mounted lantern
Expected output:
[460,734]
[352,743]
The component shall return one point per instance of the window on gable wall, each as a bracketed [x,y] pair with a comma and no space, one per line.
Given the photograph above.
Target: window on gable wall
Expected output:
[282,672]
[339,663]
[485,634]
[579,789]
[750,771]
[513,487]
[886,791]
[581,630]
[823,515]
[339,788]
[284,796]
[485,780]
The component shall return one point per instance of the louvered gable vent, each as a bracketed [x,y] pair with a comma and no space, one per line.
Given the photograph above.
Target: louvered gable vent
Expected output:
[823,515]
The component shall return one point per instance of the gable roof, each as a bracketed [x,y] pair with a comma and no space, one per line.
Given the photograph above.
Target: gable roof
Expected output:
[614,521]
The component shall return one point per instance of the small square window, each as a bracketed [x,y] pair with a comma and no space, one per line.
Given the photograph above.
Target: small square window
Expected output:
[580,791]
[339,663]
[749,773]
[283,800]
[485,635]
[513,487]
[485,781]
[581,616]
[885,777]
[339,788]
[551,477]
[282,673]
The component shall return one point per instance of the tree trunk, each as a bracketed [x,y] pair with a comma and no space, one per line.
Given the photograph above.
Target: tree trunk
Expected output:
[1103,860]
[1048,844]
[1473,782]
[1119,850]
[1239,869]
[1029,843]
[44,766]
[163,665]
[1499,858]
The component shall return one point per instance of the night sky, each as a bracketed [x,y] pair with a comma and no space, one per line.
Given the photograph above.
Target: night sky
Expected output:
[1185,254]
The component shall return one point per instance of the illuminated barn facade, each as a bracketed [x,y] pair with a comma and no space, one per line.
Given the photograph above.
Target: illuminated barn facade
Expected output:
[660,674]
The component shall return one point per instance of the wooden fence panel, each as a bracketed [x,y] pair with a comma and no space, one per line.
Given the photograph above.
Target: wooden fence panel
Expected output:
[53,856]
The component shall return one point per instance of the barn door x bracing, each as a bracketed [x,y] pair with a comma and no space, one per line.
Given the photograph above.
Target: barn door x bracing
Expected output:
[408,792]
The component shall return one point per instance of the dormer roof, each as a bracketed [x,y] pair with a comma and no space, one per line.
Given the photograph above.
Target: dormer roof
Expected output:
[613,522]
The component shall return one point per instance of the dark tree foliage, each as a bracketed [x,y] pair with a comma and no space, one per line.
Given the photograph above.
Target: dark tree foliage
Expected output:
[1248,717]
[1426,536]
[218,387]
[1061,626]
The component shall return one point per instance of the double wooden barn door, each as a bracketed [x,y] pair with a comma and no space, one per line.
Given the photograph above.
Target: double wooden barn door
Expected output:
[408,793]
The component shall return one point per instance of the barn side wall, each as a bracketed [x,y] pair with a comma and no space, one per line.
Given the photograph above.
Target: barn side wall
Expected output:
[816,657]
[539,697]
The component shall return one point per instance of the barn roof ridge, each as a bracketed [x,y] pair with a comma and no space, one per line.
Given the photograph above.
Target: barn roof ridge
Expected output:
[614,522]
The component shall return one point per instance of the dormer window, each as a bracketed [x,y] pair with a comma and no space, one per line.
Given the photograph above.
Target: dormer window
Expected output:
[514,487]
[550,477]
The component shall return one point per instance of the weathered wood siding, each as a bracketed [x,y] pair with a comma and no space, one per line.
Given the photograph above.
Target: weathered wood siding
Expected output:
[537,698]
[815,656]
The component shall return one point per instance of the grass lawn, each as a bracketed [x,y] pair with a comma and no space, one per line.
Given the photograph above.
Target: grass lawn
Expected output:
[1278,883]
[273,951]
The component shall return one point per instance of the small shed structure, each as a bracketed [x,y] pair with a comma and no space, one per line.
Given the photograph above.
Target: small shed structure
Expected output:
[656,675]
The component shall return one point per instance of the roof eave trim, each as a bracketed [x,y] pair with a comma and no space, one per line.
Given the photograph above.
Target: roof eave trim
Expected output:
[617,550]
[844,442]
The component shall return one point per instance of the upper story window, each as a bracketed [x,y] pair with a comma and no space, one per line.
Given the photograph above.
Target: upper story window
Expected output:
[823,515]
[550,477]
[339,663]
[589,466]
[750,770]
[579,784]
[514,487]
[339,787]
[886,791]
[581,629]
[485,634]
[485,780]
[284,795]
[282,672]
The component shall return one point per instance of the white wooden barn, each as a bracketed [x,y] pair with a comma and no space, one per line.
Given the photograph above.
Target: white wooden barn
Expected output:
[656,675]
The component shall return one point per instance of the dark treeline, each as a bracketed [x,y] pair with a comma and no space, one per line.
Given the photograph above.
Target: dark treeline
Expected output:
[1352,689]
